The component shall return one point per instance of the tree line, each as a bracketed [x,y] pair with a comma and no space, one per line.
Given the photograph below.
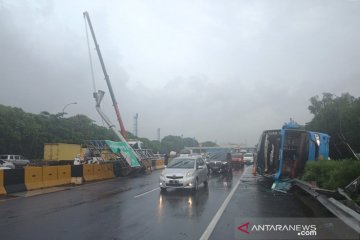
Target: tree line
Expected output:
[25,133]
[338,116]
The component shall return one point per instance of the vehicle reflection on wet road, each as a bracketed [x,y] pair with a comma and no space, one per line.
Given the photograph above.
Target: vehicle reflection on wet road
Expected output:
[183,204]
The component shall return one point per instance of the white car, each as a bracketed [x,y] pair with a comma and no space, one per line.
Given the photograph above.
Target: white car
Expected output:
[249,158]
[6,165]
[184,172]
[17,160]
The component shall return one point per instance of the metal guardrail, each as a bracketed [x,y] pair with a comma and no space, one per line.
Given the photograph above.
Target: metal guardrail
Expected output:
[344,213]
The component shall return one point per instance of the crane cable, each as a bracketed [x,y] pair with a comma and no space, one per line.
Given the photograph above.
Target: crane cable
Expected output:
[90,58]
[91,62]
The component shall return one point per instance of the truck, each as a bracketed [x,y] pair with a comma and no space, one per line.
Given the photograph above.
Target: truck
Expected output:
[61,151]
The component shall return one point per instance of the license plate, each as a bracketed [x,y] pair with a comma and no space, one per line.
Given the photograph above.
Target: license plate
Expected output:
[174,181]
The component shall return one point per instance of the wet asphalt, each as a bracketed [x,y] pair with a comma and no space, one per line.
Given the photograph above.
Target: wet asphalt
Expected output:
[134,208]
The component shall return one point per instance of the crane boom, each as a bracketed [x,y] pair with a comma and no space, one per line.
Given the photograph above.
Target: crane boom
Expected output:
[116,107]
[98,98]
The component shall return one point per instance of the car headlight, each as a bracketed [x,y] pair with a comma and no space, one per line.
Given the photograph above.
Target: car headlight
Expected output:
[190,174]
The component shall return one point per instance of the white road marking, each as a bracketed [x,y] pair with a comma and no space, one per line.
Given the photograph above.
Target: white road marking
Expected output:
[142,194]
[206,235]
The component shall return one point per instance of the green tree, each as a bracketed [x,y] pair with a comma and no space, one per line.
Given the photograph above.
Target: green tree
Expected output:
[25,133]
[190,142]
[337,115]
[155,146]
[171,143]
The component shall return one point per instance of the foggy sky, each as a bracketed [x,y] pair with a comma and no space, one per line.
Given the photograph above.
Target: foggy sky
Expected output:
[215,70]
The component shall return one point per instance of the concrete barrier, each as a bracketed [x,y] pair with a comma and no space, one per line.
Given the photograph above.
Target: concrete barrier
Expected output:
[117,168]
[2,189]
[77,171]
[108,170]
[98,172]
[92,172]
[153,164]
[110,167]
[159,164]
[88,172]
[77,174]
[14,180]
[33,178]
[64,174]
[103,170]
[50,176]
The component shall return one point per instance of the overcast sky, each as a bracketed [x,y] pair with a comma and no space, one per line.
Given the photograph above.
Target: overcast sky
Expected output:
[213,70]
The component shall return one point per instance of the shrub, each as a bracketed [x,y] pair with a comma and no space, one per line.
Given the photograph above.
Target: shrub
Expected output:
[332,174]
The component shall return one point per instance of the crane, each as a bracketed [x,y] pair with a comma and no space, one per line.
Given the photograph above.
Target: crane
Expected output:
[116,107]
[98,98]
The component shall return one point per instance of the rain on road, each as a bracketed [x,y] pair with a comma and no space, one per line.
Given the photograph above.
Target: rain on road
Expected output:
[134,208]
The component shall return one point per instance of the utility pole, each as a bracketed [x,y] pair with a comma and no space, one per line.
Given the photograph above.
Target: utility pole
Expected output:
[136,124]
[158,134]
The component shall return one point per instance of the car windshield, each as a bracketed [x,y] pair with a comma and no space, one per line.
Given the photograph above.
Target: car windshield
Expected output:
[248,155]
[182,163]
[3,157]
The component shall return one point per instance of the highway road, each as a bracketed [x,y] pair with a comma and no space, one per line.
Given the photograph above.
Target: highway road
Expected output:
[134,208]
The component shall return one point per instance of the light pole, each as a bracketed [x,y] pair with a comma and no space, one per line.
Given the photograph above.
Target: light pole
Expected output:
[63,111]
[340,115]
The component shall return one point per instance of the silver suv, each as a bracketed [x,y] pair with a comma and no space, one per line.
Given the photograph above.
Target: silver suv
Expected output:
[17,160]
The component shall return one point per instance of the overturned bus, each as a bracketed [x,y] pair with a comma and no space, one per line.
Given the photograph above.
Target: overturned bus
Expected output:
[282,153]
